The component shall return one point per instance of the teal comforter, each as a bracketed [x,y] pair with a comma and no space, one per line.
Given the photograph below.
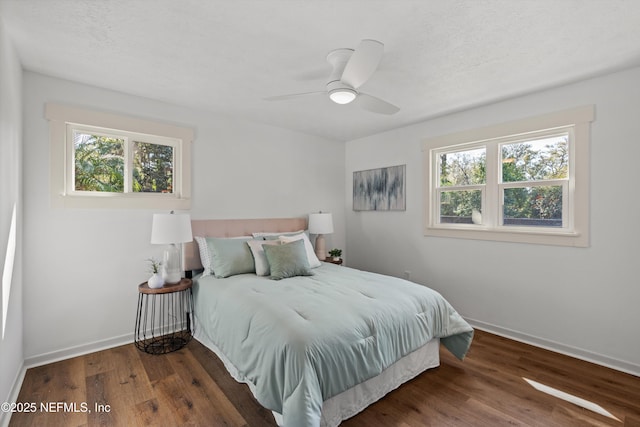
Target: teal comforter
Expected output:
[302,340]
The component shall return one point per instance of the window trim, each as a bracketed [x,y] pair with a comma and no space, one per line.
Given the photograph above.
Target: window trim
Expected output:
[579,119]
[62,118]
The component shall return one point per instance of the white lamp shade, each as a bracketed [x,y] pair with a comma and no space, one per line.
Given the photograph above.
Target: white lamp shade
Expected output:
[171,228]
[320,223]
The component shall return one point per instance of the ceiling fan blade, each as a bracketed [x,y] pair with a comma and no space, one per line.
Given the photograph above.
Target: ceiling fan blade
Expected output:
[292,96]
[375,105]
[363,63]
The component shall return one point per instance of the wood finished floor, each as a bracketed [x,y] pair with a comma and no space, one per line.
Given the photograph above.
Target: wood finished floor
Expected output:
[191,387]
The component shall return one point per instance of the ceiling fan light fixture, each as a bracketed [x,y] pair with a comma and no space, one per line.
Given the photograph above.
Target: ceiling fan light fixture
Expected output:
[342,95]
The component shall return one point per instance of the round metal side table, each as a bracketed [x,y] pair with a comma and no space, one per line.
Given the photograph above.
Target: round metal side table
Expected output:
[165,317]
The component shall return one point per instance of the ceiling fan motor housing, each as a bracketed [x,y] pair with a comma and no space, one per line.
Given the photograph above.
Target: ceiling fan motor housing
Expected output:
[339,92]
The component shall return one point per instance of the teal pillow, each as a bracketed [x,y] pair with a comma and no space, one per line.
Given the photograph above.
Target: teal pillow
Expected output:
[288,260]
[230,256]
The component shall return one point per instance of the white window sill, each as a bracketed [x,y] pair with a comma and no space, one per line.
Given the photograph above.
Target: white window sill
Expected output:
[519,235]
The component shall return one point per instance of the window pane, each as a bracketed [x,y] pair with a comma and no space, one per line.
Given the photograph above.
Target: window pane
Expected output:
[461,207]
[152,168]
[99,163]
[533,206]
[546,158]
[463,167]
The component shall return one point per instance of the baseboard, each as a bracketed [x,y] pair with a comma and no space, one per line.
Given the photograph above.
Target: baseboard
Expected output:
[5,417]
[578,353]
[79,350]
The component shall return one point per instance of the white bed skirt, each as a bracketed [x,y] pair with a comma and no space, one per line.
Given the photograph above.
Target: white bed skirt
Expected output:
[354,400]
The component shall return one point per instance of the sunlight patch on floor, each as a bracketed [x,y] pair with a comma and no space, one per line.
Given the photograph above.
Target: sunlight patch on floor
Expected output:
[583,403]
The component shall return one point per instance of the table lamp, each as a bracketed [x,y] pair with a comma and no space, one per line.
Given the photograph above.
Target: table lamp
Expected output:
[320,224]
[171,229]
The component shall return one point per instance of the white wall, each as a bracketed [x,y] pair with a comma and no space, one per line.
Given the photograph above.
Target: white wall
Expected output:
[575,300]
[83,266]
[11,355]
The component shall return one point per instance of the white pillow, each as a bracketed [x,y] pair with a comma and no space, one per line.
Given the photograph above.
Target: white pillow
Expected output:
[275,234]
[259,257]
[311,254]
[205,258]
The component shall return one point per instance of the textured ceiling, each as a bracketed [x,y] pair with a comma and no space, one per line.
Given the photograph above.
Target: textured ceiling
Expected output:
[226,56]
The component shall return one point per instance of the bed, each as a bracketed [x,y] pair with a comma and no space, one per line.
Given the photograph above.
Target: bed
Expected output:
[324,342]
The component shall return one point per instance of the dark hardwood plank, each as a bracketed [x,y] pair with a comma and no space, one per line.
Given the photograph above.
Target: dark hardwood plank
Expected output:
[192,387]
[100,394]
[204,391]
[151,413]
[50,386]
[237,394]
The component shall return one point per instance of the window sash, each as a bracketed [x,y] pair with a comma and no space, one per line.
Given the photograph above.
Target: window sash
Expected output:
[475,187]
[565,131]
[466,148]
[567,224]
[493,191]
[129,139]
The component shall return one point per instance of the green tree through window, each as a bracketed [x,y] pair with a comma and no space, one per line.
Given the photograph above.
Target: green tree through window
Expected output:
[99,163]
[530,162]
[457,171]
[152,168]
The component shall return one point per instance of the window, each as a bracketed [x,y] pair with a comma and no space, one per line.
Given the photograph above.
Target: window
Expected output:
[523,181]
[109,161]
[121,162]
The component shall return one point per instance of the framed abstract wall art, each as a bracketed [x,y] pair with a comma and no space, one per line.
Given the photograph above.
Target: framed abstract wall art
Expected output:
[380,189]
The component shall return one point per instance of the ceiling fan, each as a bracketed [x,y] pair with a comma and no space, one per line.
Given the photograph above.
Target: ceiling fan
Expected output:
[351,69]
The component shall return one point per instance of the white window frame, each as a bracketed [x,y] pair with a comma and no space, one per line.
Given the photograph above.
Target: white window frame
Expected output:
[63,120]
[575,228]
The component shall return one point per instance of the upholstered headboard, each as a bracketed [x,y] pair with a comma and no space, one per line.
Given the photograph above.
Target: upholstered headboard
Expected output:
[234,228]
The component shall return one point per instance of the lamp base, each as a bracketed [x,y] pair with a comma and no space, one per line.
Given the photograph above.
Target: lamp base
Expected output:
[321,252]
[171,277]
[171,269]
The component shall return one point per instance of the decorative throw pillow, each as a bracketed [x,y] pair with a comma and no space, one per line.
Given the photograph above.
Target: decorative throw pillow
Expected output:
[205,258]
[230,256]
[287,260]
[311,254]
[259,258]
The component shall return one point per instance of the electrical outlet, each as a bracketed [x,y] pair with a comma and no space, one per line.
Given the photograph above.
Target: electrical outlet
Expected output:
[407,274]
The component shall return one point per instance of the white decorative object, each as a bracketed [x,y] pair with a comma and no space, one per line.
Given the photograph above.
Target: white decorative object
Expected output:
[156,281]
[320,224]
[476,216]
[171,229]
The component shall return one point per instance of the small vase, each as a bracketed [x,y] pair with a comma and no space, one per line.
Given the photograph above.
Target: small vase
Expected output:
[336,258]
[156,281]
